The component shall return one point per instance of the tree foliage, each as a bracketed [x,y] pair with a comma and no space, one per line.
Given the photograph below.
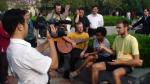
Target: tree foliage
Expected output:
[146,3]
[105,5]
[3,5]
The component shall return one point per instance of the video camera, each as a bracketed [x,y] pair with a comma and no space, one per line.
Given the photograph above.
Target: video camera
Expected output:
[58,24]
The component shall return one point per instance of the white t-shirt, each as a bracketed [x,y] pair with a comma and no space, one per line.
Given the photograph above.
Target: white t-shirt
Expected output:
[29,66]
[68,25]
[95,21]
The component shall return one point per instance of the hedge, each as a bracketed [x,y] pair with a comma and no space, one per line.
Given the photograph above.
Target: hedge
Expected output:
[144,47]
[112,20]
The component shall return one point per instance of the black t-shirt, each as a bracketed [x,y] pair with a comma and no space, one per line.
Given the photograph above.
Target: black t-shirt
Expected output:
[41,22]
[85,21]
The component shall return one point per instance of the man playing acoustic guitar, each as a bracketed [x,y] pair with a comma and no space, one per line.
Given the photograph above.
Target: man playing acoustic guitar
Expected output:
[79,37]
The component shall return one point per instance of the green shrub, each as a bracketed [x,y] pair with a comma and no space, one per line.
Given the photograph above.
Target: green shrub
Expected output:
[144,47]
[108,20]
[112,20]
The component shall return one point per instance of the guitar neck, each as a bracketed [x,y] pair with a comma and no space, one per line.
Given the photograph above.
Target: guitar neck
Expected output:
[82,40]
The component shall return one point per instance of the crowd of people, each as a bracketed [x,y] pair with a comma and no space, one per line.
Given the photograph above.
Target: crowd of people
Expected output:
[21,58]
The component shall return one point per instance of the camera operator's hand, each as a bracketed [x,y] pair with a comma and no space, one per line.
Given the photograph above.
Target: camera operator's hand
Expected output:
[53,29]
[48,35]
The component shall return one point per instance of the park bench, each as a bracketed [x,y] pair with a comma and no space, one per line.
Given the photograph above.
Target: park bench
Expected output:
[138,76]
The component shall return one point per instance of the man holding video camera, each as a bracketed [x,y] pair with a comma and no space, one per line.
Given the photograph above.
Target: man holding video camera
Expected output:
[57,18]
[56,13]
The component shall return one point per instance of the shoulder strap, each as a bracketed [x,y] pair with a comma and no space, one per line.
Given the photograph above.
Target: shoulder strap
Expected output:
[122,45]
[52,15]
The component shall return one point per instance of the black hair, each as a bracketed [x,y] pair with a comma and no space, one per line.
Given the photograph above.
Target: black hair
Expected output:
[1,16]
[62,10]
[78,23]
[146,9]
[94,6]
[11,19]
[81,8]
[124,22]
[24,12]
[101,30]
[56,4]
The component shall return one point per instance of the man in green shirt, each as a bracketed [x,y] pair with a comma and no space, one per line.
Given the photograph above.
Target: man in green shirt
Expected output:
[125,47]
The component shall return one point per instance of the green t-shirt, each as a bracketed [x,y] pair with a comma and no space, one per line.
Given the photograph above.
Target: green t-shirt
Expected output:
[125,47]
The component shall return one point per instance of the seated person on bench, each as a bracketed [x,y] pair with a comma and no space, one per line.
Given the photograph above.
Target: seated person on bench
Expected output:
[125,47]
[98,55]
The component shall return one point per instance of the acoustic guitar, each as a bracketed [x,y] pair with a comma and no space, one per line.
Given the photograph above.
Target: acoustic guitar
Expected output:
[65,47]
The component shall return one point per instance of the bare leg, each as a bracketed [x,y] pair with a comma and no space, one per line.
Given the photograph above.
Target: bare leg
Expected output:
[118,73]
[96,68]
[76,72]
[87,60]
[89,64]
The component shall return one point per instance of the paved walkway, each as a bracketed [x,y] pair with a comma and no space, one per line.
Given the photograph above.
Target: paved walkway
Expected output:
[111,30]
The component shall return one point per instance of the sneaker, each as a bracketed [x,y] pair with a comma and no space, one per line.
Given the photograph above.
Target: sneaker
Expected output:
[105,82]
[43,37]
[73,74]
[39,36]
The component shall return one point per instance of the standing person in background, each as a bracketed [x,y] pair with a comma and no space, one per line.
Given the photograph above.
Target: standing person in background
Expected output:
[128,15]
[41,25]
[117,13]
[145,20]
[27,64]
[56,13]
[66,13]
[55,18]
[4,42]
[80,17]
[133,14]
[33,19]
[96,20]
[31,38]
